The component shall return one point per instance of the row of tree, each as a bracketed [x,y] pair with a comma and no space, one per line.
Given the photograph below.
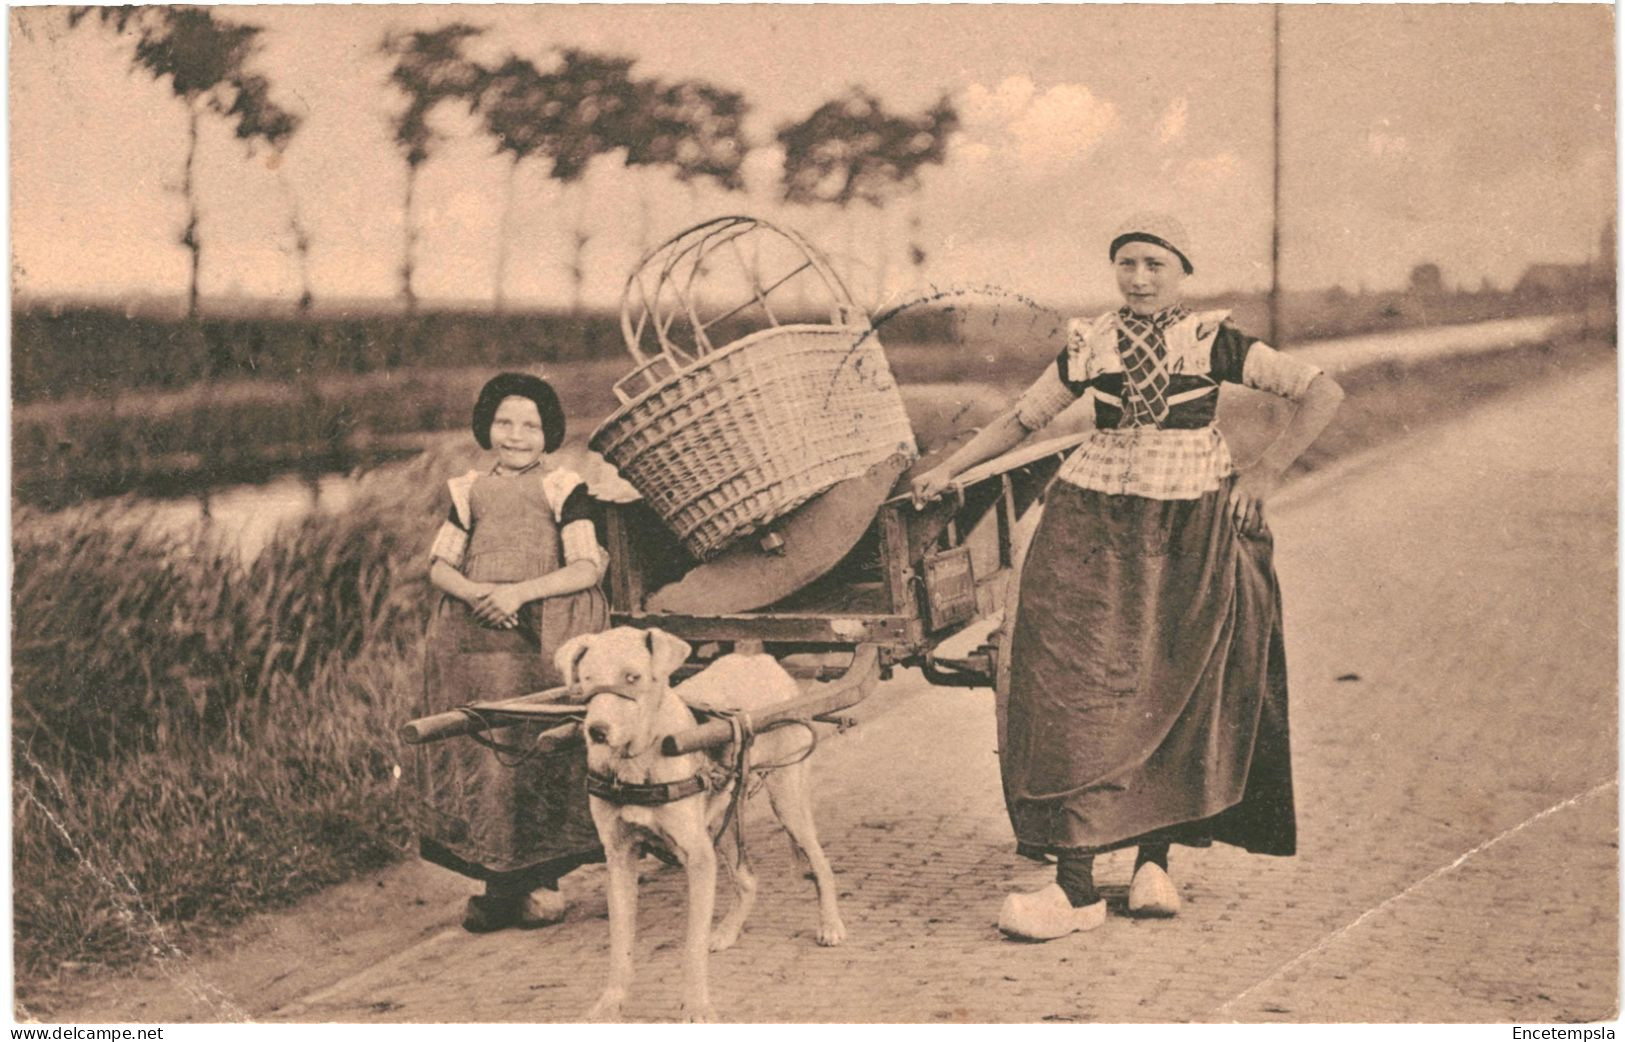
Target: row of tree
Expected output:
[583,108]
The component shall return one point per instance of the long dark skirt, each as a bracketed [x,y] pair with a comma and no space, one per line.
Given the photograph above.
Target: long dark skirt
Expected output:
[1148,697]
[515,825]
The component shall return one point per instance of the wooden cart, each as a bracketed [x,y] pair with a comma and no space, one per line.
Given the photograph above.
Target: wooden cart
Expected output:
[853,581]
[912,581]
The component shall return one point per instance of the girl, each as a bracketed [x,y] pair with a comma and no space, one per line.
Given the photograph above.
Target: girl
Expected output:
[519,564]
[1147,702]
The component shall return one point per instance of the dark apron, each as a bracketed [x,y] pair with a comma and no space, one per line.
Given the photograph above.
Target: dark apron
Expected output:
[1148,697]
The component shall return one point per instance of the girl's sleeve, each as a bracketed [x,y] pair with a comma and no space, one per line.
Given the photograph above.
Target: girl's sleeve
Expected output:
[1239,358]
[573,510]
[1057,388]
[451,542]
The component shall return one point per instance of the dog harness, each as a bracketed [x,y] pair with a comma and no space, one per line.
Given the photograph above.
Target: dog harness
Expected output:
[646,794]
[715,777]
[643,794]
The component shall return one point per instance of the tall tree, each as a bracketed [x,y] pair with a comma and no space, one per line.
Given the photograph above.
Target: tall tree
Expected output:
[597,105]
[204,59]
[584,108]
[851,149]
[430,70]
[692,129]
[526,117]
[260,120]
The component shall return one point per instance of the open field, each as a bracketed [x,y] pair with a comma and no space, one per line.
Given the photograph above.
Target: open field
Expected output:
[107,403]
[197,736]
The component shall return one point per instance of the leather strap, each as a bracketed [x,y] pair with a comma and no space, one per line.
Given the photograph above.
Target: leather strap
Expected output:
[643,794]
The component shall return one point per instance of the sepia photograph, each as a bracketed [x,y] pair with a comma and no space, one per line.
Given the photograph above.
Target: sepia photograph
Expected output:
[1087,514]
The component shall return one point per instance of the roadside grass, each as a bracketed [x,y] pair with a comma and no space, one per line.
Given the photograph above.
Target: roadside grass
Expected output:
[146,853]
[196,737]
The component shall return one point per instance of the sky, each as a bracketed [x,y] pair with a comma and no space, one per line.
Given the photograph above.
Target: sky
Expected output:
[1480,138]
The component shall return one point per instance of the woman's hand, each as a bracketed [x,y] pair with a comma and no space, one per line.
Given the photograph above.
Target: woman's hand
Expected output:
[1253,486]
[499,606]
[1315,409]
[931,485]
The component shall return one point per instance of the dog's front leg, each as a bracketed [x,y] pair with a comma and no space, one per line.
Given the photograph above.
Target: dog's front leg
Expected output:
[621,860]
[700,860]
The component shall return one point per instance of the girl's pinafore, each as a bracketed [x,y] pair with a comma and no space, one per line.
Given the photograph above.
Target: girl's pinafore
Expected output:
[1147,699]
[481,817]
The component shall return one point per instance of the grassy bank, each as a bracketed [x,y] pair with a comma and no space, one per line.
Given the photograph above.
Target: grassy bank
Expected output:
[196,737]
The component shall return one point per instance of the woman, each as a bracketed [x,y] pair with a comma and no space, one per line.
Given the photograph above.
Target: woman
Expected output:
[1148,699]
[518,564]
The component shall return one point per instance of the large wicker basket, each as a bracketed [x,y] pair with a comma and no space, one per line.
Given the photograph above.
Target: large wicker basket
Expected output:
[722,441]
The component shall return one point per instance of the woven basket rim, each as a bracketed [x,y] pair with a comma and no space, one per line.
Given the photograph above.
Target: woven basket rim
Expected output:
[716,357]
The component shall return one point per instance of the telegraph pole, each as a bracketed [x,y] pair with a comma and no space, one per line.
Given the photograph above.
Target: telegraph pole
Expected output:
[1275,212]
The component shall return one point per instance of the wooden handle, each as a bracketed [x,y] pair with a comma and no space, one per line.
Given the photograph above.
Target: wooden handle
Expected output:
[451,725]
[852,687]
[554,701]
[441,725]
[556,738]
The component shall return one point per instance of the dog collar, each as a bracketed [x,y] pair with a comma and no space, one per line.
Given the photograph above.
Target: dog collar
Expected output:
[643,794]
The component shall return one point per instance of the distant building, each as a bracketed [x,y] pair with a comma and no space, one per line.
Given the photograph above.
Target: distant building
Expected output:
[1553,279]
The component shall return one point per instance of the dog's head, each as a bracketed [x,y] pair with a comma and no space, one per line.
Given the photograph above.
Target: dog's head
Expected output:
[624,674]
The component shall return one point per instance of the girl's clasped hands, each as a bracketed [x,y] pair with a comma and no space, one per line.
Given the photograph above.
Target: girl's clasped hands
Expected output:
[497,605]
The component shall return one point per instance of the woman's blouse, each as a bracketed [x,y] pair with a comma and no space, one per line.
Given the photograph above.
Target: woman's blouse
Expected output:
[572,511]
[1182,456]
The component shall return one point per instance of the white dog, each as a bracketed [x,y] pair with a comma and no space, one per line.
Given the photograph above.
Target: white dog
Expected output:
[625,673]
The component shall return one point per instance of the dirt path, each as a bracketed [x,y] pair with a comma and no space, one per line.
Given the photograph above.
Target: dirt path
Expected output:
[1452,630]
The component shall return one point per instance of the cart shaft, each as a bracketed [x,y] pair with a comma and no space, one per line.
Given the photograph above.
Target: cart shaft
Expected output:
[853,687]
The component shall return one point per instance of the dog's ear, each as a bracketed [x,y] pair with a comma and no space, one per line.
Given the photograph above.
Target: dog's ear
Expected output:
[666,652]
[568,657]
